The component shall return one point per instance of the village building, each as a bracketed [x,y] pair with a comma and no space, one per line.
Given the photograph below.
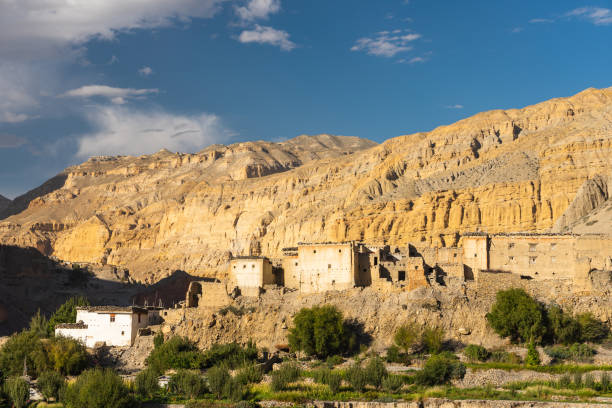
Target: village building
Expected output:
[109,325]
[251,273]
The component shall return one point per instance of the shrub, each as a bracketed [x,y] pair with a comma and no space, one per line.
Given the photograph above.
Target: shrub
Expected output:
[432,339]
[558,352]
[39,325]
[334,380]
[158,340]
[563,328]
[440,369]
[392,383]
[518,316]
[321,376]
[581,352]
[18,391]
[63,354]
[320,331]
[578,379]
[50,383]
[177,352]
[357,377]
[394,356]
[20,346]
[604,381]
[592,329]
[232,355]
[234,390]
[375,372]
[334,360]
[500,356]
[476,353]
[146,383]
[217,378]
[533,357]
[188,384]
[98,388]
[287,373]
[407,336]
[565,381]
[66,313]
[589,381]
[250,374]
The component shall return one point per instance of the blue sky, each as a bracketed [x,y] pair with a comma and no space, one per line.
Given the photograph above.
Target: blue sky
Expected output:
[90,77]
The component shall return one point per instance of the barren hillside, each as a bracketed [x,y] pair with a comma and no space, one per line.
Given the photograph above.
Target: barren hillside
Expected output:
[512,170]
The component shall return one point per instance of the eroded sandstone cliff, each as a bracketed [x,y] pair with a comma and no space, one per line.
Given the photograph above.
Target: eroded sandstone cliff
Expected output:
[503,170]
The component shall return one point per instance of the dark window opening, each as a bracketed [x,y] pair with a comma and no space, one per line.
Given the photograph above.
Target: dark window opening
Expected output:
[401,275]
[375,260]
[328,266]
[112,317]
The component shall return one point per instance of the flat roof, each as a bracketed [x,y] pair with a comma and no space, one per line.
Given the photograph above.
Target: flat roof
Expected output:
[78,325]
[113,309]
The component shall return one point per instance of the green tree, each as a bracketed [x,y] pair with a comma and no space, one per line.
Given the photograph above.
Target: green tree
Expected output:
[563,328]
[98,388]
[592,329]
[286,373]
[357,377]
[518,316]
[432,339]
[18,391]
[376,372]
[187,383]
[39,325]
[63,354]
[407,337]
[533,357]
[217,378]
[66,313]
[50,383]
[146,383]
[320,331]
[476,353]
[176,352]
[19,347]
[440,369]
[392,383]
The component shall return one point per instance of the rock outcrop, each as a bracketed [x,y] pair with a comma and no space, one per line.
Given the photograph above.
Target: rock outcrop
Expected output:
[4,203]
[498,171]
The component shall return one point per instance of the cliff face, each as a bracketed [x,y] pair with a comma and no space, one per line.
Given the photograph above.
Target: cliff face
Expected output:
[4,203]
[513,170]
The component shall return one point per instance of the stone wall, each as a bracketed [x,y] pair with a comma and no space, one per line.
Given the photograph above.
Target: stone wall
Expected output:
[444,403]
[251,273]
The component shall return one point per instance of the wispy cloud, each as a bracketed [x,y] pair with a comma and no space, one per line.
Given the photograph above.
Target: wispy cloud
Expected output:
[8,141]
[258,9]
[120,130]
[595,15]
[145,71]
[541,20]
[267,35]
[118,96]
[386,43]
[456,106]
[517,30]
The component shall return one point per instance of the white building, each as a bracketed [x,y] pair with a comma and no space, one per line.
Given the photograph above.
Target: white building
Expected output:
[112,325]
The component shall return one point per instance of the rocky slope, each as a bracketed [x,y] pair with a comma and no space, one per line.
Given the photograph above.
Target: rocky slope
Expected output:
[503,170]
[4,203]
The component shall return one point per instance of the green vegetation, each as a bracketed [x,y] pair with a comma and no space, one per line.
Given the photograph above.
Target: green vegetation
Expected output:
[19,347]
[432,339]
[375,372]
[50,384]
[357,377]
[98,388]
[533,357]
[287,373]
[177,352]
[440,369]
[188,384]
[217,378]
[576,352]
[66,313]
[517,316]
[407,337]
[321,331]
[17,390]
[146,384]
[64,355]
[249,374]
[476,353]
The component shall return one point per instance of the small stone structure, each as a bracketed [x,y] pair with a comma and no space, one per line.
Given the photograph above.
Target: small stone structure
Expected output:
[207,294]
[251,273]
[110,325]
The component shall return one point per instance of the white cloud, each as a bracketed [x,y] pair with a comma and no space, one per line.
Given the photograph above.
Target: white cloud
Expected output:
[145,71]
[457,106]
[541,20]
[258,9]
[267,35]
[118,96]
[386,44]
[119,130]
[516,30]
[596,15]
[11,141]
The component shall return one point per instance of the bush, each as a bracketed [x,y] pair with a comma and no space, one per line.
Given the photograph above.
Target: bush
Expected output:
[500,356]
[217,378]
[146,383]
[592,329]
[65,355]
[565,381]
[320,331]
[25,345]
[578,379]
[158,340]
[440,369]
[177,353]
[18,391]
[50,383]
[334,360]
[407,337]
[357,377]
[234,390]
[518,316]
[589,381]
[66,313]
[533,357]
[334,380]
[98,388]
[287,373]
[394,356]
[39,325]
[392,383]
[188,384]
[476,353]
[581,352]
[604,381]
[376,372]
[232,355]
[250,374]
[563,328]
[558,352]
[321,375]
[432,339]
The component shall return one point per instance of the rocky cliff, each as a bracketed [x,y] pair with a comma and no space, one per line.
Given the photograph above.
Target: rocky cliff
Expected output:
[4,203]
[503,170]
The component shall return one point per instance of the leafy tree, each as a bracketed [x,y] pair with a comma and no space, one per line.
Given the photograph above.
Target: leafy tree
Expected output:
[98,388]
[217,378]
[392,383]
[563,328]
[432,339]
[518,316]
[39,325]
[66,313]
[177,352]
[188,383]
[232,355]
[63,354]
[533,357]
[287,373]
[18,391]
[476,353]
[407,337]
[50,384]
[320,331]
[249,374]
[592,329]
[376,372]
[158,340]
[334,380]
[440,369]
[146,383]
[357,377]
[19,347]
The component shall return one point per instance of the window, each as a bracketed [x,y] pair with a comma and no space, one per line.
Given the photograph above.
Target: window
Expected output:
[253,266]
[234,266]
[296,264]
[138,317]
[243,266]
[532,247]
[339,250]
[375,260]
[112,317]
[328,266]
[553,246]
[401,275]
[511,259]
[511,245]
[475,255]
[454,255]
[123,333]
[532,260]
[314,252]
